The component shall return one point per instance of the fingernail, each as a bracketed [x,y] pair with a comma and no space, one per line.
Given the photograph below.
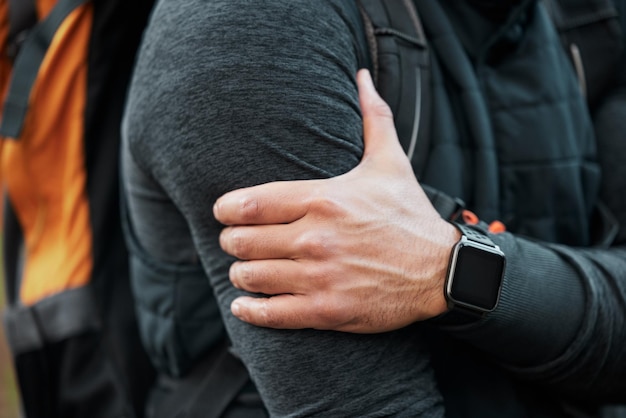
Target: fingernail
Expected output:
[216,210]
[232,274]
[223,239]
[235,308]
[368,78]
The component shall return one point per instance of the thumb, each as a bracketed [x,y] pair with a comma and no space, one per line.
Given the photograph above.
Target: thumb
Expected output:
[379,132]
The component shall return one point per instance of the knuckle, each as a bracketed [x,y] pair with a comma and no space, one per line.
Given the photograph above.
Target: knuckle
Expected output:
[320,276]
[315,243]
[238,244]
[381,109]
[315,273]
[326,314]
[249,208]
[246,276]
[242,276]
[326,204]
[268,316]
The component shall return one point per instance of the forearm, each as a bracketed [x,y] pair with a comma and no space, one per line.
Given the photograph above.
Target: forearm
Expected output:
[558,322]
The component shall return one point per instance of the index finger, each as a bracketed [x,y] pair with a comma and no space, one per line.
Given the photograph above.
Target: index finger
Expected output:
[270,203]
[284,311]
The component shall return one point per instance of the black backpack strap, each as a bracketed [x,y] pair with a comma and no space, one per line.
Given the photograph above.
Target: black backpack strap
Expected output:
[402,73]
[26,66]
[219,387]
[401,70]
[22,17]
[208,390]
[448,207]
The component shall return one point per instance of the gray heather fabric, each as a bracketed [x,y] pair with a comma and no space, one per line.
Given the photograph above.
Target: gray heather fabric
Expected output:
[233,93]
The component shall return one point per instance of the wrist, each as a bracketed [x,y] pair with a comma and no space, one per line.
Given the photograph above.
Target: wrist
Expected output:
[449,237]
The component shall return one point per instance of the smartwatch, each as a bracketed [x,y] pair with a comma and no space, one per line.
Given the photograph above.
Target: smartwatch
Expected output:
[475,273]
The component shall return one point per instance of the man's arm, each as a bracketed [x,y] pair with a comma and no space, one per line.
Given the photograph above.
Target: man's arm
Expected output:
[568,302]
[228,94]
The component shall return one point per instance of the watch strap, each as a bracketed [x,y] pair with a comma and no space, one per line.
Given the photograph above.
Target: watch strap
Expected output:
[460,315]
[475,235]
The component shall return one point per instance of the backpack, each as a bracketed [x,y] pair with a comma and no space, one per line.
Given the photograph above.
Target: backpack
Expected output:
[401,71]
[70,321]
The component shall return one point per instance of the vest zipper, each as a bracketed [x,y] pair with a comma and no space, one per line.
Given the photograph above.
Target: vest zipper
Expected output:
[579,67]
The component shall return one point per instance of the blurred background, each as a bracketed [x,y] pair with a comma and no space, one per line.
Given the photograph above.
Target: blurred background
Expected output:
[9,403]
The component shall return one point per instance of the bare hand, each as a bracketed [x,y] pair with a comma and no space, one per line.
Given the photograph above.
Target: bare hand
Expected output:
[363,252]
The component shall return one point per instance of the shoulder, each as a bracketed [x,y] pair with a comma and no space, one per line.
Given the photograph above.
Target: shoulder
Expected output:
[216,82]
[250,26]
[193,48]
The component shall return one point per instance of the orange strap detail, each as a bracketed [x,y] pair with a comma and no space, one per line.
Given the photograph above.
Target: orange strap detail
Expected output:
[469,217]
[497,227]
[44,7]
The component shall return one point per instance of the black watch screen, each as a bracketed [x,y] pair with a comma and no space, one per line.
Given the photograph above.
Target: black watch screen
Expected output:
[477,277]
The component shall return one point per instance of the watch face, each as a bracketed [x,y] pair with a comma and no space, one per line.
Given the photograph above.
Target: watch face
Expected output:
[477,277]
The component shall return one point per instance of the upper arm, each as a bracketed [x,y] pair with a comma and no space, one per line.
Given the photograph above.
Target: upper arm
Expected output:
[228,94]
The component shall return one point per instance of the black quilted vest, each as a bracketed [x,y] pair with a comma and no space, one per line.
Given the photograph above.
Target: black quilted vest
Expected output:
[511,132]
